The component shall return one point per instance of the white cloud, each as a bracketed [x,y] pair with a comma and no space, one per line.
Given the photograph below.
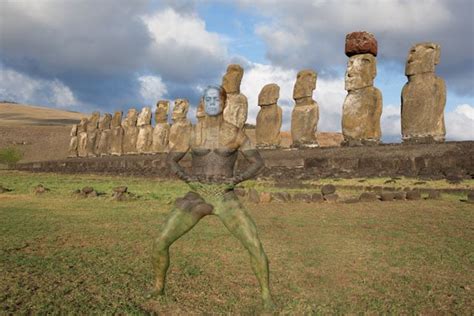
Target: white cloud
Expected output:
[391,123]
[18,87]
[460,123]
[182,49]
[152,89]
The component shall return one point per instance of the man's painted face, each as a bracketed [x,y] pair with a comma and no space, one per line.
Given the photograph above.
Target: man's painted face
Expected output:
[212,102]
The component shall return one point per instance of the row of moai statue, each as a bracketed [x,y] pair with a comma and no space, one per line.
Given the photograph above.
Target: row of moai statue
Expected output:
[422,109]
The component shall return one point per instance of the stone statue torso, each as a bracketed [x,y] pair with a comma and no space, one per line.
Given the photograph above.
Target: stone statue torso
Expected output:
[214,151]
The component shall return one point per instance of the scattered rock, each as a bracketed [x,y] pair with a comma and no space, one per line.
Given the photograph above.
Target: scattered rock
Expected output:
[265,197]
[254,196]
[454,179]
[362,180]
[331,197]
[351,200]
[413,195]
[87,190]
[316,197]
[470,197]
[368,197]
[328,189]
[434,195]
[419,182]
[120,189]
[240,192]
[40,189]
[123,196]
[400,196]
[303,197]
[390,181]
[279,197]
[406,189]
[387,196]
[3,189]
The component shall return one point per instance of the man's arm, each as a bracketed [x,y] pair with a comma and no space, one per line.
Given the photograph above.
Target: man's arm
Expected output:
[255,167]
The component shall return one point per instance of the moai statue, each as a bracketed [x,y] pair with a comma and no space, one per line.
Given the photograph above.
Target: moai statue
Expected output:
[182,127]
[362,106]
[199,127]
[423,96]
[116,142]
[161,132]
[236,105]
[82,137]
[269,117]
[92,134]
[105,135]
[305,115]
[130,132]
[72,152]
[145,131]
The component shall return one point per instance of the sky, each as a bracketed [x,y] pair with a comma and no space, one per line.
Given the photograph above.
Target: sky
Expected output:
[109,55]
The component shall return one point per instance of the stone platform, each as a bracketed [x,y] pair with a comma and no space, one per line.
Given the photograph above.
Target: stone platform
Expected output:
[450,159]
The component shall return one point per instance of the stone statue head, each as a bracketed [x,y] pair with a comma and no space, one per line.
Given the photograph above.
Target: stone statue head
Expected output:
[200,112]
[422,58]
[132,117]
[269,94]
[361,71]
[82,127]
[104,123]
[117,119]
[305,84]
[180,109]
[214,100]
[93,122]
[162,110]
[232,78]
[145,117]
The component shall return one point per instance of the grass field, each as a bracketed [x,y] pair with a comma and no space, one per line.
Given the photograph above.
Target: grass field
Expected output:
[63,254]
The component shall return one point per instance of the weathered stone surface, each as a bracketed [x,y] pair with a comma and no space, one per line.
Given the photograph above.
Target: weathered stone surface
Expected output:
[423,97]
[117,134]
[470,197]
[328,189]
[105,135]
[73,143]
[82,138]
[265,197]
[305,84]
[331,197]
[305,115]
[269,118]
[130,132]
[161,132]
[360,43]
[40,189]
[145,132]
[368,197]
[181,128]
[253,195]
[413,195]
[434,195]
[316,197]
[92,134]
[387,196]
[232,79]
[400,196]
[361,115]
[236,109]
[362,106]
[303,197]
[199,128]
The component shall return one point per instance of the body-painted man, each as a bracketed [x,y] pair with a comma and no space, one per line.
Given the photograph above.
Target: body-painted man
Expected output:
[212,181]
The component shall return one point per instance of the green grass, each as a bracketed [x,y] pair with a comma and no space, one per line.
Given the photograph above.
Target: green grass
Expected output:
[63,254]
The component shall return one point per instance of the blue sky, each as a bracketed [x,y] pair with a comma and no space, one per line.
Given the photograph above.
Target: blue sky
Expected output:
[86,55]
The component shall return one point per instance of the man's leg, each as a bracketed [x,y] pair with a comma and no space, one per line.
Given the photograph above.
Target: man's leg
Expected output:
[184,216]
[241,225]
